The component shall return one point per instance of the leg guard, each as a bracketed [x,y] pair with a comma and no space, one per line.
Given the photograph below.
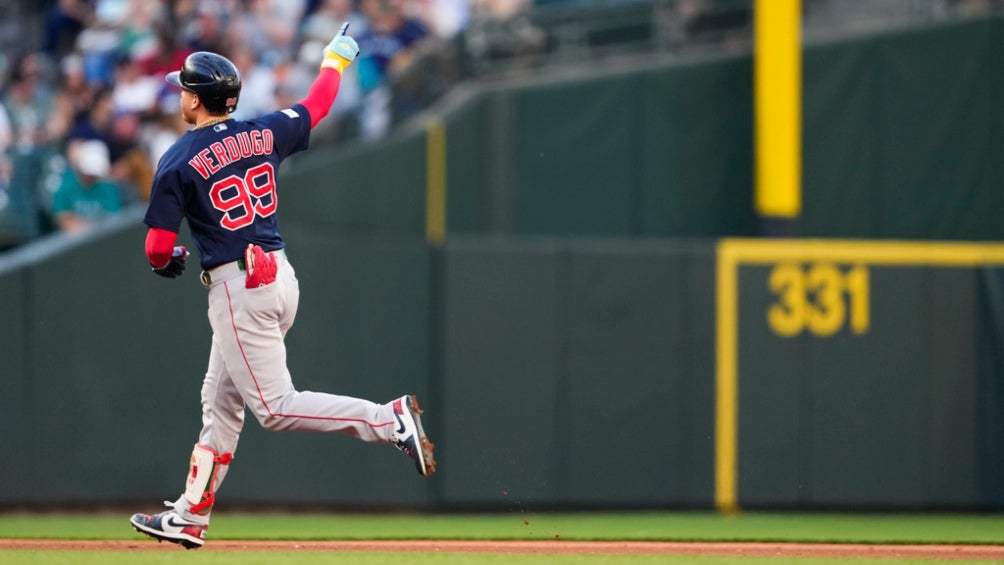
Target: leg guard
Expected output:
[206,468]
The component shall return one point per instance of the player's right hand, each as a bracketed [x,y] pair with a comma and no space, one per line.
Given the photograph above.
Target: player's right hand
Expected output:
[176,266]
[342,50]
[261,267]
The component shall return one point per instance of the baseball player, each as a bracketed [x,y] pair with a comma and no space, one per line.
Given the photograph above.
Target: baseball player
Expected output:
[221,177]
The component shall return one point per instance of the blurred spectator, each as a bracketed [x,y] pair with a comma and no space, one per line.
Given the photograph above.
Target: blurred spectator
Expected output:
[722,22]
[502,10]
[10,235]
[63,24]
[269,27]
[168,55]
[119,130]
[501,29]
[133,91]
[293,78]
[258,84]
[97,122]
[131,168]
[207,27]
[99,43]
[99,76]
[29,101]
[29,104]
[85,195]
[113,13]
[166,126]
[6,140]
[444,18]
[73,97]
[323,24]
[138,38]
[388,44]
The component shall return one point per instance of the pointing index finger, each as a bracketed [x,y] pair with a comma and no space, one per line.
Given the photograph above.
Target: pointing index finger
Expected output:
[343,29]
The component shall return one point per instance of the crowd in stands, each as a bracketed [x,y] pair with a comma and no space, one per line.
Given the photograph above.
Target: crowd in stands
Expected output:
[86,114]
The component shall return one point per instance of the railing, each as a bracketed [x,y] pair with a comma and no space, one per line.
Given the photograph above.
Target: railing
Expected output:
[551,35]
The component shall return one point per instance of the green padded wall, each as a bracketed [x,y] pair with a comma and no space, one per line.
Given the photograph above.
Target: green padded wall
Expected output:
[552,346]
[696,149]
[374,188]
[499,388]
[15,401]
[638,322]
[117,358]
[989,410]
[575,159]
[902,133]
[879,419]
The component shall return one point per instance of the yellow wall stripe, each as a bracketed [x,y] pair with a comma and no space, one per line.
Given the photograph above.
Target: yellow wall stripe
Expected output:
[732,253]
[435,183]
[726,382]
[777,96]
[885,252]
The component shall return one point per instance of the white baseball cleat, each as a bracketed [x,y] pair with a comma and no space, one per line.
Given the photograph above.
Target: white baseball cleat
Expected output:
[169,526]
[409,436]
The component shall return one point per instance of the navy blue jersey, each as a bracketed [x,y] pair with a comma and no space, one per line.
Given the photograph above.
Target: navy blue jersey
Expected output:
[222,178]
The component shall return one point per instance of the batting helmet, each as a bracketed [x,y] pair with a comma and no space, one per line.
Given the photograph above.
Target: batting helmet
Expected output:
[213,78]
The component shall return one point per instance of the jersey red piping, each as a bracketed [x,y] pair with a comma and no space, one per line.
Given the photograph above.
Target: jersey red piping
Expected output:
[233,322]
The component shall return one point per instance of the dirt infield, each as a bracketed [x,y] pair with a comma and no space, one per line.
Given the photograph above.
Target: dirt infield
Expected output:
[989,552]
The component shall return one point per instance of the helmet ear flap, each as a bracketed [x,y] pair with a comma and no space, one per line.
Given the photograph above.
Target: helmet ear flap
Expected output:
[213,78]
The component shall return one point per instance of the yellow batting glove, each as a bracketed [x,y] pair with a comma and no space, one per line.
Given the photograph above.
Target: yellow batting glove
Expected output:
[342,50]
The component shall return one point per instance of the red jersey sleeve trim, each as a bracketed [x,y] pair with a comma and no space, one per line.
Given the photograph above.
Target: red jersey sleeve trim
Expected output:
[159,246]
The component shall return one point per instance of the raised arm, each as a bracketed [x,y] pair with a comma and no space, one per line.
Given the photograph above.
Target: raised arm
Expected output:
[338,55]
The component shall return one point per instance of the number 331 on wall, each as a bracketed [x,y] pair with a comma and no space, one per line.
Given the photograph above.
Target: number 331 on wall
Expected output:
[819,297]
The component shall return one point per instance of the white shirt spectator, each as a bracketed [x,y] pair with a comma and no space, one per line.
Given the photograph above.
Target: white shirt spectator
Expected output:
[133,91]
[6,133]
[445,18]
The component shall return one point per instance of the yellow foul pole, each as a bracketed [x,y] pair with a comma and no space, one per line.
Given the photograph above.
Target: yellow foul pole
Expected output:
[778,107]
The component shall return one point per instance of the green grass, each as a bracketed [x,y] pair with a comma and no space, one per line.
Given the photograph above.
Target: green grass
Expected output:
[677,526]
[685,526]
[316,558]
[331,558]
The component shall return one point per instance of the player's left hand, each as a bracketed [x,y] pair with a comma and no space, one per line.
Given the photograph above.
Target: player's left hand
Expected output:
[342,50]
[176,266]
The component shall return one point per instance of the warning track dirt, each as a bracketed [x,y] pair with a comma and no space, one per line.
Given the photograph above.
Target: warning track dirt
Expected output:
[960,552]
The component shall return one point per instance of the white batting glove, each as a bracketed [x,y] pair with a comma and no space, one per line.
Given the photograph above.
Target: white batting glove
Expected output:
[342,50]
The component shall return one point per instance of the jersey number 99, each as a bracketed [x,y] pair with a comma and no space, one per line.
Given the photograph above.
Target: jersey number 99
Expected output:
[242,199]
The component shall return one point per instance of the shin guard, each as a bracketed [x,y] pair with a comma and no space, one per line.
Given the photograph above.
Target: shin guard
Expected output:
[207,466]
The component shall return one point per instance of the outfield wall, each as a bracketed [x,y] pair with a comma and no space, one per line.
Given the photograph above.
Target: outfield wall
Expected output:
[557,373]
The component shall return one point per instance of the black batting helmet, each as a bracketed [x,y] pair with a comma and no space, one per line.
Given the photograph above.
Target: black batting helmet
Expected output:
[213,78]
